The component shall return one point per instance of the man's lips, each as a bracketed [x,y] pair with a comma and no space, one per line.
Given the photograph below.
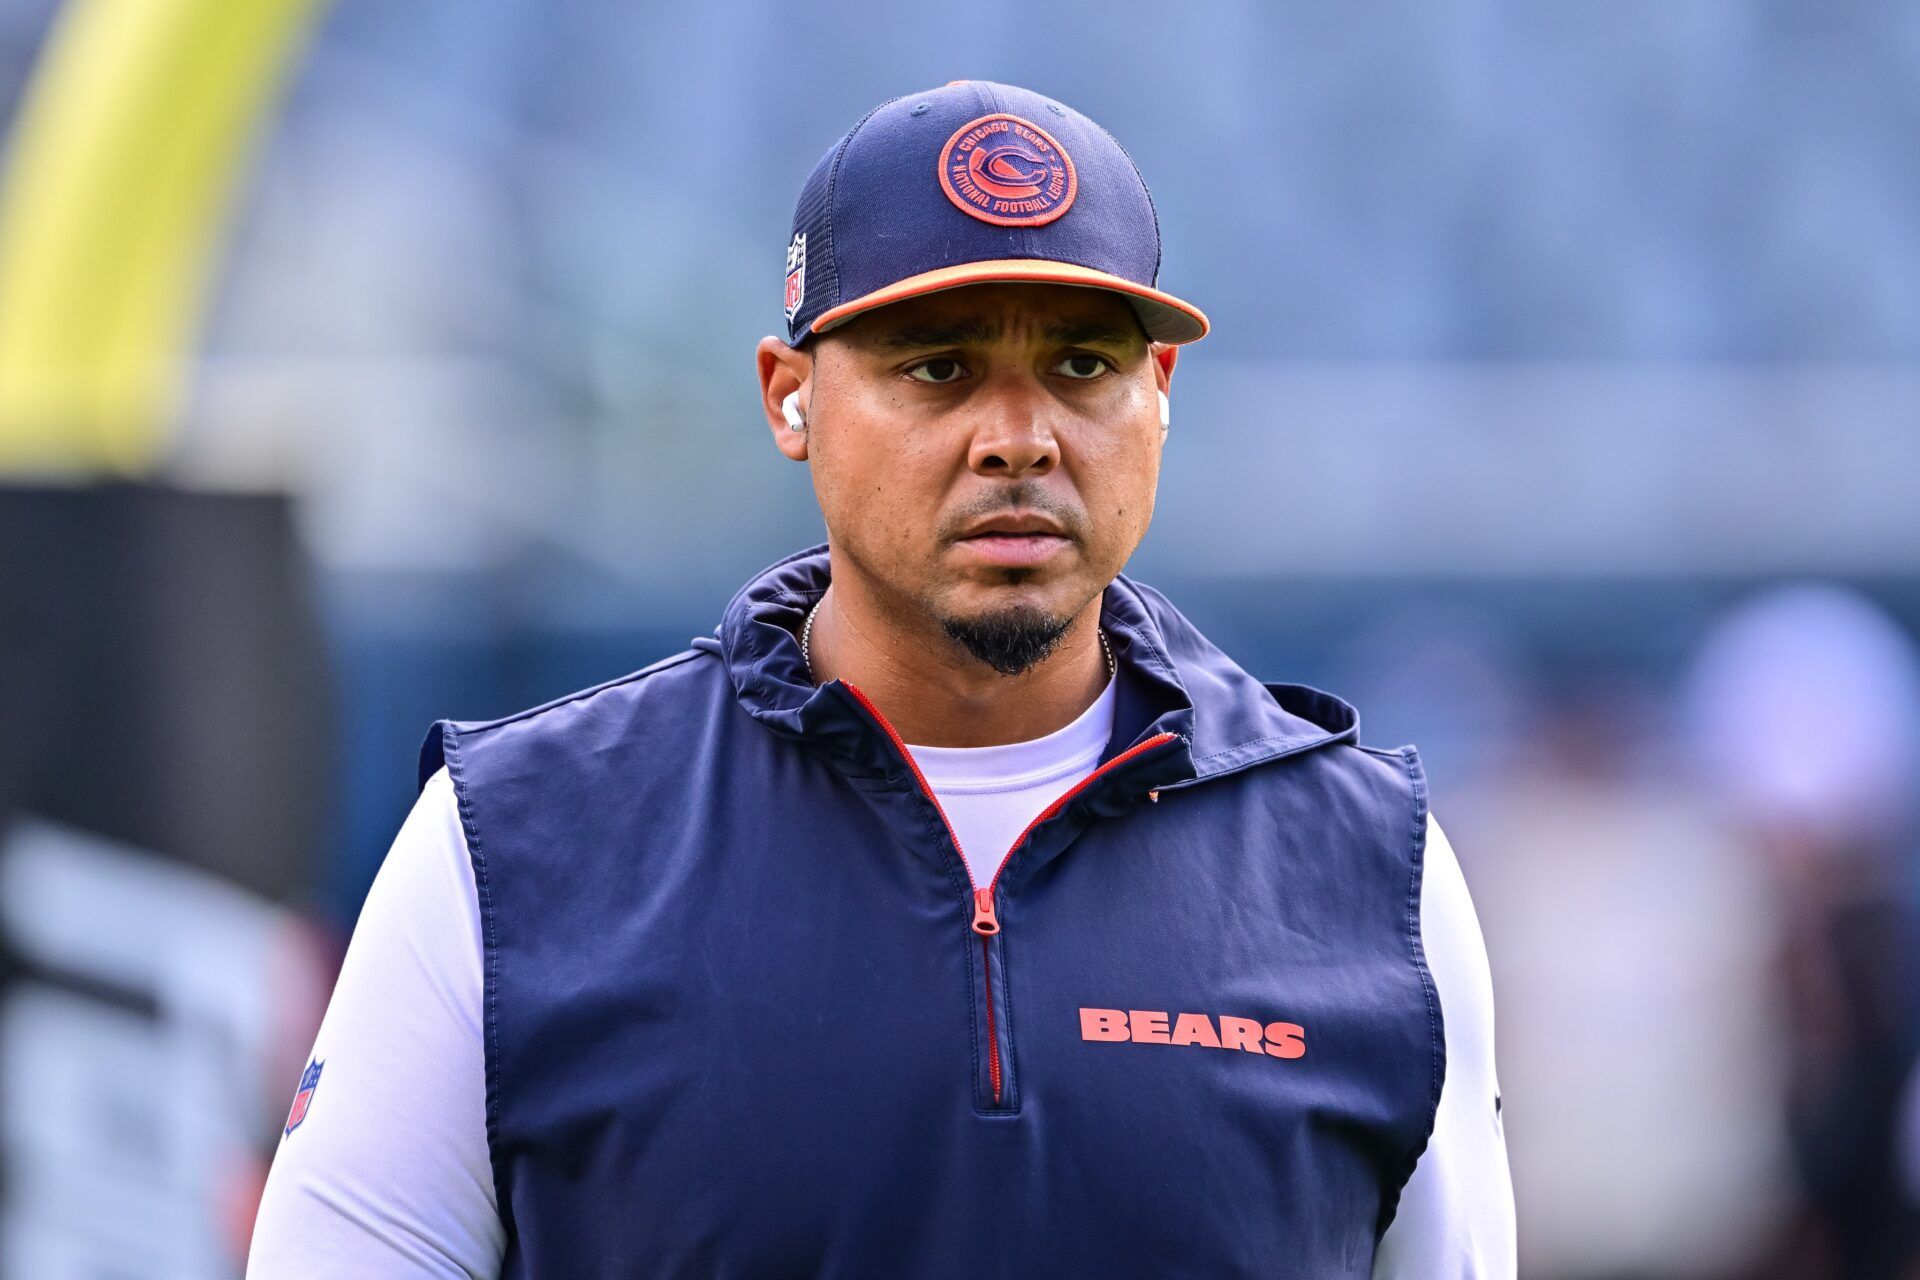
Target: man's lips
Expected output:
[1014,523]
[1015,549]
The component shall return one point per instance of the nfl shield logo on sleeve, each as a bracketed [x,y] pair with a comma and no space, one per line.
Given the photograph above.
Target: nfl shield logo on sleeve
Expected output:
[796,274]
[309,1080]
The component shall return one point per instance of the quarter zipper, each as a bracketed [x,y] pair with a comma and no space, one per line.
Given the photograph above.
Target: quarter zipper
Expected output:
[986,917]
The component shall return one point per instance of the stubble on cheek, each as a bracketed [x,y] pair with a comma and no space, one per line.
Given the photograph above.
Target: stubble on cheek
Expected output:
[885,542]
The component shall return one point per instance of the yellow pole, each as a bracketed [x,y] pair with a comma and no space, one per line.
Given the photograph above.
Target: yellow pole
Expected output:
[122,160]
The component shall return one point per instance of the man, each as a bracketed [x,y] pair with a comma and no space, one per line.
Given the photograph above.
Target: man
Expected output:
[957,908]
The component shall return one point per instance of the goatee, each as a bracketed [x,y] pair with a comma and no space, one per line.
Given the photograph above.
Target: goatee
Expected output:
[1010,641]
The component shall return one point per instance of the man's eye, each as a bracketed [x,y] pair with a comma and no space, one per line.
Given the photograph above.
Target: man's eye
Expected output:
[1082,366]
[942,370]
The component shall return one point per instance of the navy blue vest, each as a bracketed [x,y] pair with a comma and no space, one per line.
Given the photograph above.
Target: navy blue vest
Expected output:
[746,1015]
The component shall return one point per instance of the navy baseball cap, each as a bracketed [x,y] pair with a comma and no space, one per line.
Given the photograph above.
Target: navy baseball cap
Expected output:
[970,183]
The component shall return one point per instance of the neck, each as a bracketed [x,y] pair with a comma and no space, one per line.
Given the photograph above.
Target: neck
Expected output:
[934,692]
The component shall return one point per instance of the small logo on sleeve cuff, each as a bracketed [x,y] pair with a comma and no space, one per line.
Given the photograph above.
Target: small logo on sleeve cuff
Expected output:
[303,1099]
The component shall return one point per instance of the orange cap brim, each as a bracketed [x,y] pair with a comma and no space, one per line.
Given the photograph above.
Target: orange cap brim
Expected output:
[1164,317]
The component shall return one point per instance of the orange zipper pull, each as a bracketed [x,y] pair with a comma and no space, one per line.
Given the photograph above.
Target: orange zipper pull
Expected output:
[984,921]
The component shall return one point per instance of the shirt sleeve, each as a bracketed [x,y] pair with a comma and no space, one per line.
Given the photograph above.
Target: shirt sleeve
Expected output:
[1456,1217]
[387,1172]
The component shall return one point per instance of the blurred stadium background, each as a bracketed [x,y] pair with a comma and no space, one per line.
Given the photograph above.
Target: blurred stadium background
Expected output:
[364,363]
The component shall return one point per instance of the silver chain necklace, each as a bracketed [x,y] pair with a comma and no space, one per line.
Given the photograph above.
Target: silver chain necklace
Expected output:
[806,641]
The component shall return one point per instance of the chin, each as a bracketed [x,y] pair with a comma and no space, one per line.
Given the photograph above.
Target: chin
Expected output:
[1012,637]
[1019,598]
[1011,588]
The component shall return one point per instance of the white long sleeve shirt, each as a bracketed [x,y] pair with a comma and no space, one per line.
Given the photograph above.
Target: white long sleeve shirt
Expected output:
[387,1173]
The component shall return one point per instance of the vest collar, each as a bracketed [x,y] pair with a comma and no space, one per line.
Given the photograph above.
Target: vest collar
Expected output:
[1171,680]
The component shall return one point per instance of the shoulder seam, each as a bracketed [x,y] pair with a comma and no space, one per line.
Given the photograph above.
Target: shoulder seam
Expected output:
[665,664]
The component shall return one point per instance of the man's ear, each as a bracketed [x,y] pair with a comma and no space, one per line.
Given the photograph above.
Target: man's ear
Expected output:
[785,371]
[1164,354]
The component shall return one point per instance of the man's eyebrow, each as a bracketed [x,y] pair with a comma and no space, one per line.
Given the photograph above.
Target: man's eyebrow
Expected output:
[968,331]
[1074,333]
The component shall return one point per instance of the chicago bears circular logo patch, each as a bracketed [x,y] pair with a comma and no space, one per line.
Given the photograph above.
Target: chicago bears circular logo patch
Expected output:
[1007,171]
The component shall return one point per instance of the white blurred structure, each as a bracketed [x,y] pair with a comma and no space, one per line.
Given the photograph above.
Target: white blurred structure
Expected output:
[1630,935]
[152,1022]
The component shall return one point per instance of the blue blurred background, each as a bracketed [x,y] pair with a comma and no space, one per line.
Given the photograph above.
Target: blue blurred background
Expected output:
[1560,412]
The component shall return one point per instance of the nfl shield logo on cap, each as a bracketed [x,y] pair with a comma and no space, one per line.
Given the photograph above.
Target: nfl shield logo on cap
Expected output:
[796,273]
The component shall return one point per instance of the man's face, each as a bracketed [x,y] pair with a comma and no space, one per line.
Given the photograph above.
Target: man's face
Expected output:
[986,454]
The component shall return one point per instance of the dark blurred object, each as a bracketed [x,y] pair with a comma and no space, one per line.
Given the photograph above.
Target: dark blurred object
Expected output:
[1805,703]
[1847,962]
[161,675]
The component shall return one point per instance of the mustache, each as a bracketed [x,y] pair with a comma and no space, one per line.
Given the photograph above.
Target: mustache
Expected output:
[1021,497]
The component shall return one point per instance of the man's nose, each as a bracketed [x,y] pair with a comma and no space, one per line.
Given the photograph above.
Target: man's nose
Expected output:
[1013,432]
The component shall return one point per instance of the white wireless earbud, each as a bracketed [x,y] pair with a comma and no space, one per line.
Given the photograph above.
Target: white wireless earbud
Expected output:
[1166,409]
[790,410]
